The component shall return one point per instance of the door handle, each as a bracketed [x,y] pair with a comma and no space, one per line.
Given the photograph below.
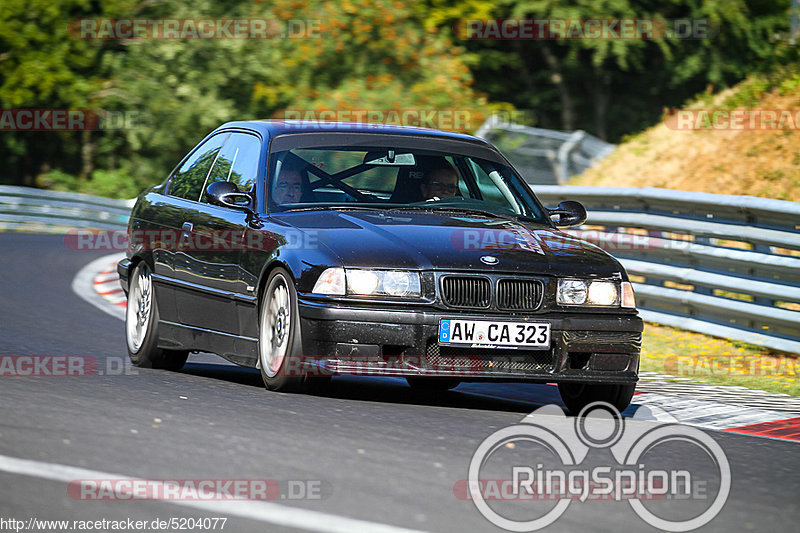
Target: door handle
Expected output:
[187,232]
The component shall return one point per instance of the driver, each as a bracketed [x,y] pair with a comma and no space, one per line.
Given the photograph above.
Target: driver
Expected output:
[291,186]
[440,181]
[288,188]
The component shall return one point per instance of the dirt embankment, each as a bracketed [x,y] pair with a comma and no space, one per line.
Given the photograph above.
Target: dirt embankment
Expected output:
[760,160]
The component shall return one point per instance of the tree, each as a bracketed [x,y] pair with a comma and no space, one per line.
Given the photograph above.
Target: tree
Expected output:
[582,83]
[356,55]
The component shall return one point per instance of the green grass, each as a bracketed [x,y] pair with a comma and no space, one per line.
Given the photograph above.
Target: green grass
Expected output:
[716,361]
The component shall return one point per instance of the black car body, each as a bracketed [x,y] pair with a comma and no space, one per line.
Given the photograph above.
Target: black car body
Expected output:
[358,273]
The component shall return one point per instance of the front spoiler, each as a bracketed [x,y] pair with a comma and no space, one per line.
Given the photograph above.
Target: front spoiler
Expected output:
[333,367]
[585,347]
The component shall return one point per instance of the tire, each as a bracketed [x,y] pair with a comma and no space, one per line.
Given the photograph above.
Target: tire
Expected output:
[279,338]
[141,325]
[432,384]
[576,396]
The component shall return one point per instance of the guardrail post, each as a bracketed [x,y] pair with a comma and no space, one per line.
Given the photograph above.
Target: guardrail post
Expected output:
[564,153]
[761,300]
[700,289]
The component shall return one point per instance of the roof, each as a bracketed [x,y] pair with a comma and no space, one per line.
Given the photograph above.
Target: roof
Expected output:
[273,128]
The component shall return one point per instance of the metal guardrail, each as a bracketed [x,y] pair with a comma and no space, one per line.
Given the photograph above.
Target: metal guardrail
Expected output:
[722,265]
[544,156]
[37,210]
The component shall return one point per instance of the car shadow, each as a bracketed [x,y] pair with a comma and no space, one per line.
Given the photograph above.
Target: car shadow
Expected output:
[508,397]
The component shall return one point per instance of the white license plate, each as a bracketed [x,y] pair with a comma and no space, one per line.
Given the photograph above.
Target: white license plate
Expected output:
[487,333]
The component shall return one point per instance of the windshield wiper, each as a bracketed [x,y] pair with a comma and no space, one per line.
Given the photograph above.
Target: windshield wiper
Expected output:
[456,209]
[428,208]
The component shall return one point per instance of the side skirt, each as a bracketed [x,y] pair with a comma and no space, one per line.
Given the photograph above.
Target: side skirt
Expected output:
[239,350]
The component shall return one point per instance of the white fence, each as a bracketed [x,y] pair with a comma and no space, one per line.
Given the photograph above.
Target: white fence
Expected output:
[544,156]
[26,209]
[723,265]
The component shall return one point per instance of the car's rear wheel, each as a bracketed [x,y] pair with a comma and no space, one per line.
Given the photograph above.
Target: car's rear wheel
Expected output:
[141,325]
[279,338]
[432,384]
[576,396]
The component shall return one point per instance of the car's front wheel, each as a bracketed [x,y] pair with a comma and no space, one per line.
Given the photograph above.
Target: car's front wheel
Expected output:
[141,325]
[279,339]
[576,396]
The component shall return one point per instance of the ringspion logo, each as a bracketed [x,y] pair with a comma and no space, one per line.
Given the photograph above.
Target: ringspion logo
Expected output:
[518,472]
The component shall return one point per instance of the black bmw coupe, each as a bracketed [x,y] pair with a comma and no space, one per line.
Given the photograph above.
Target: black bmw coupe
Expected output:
[311,249]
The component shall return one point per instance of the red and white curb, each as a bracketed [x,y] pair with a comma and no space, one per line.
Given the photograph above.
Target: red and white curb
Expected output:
[98,284]
[717,415]
[658,397]
[106,284]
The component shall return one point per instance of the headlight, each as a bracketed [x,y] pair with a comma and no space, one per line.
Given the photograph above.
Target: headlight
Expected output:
[330,282]
[603,293]
[571,292]
[401,283]
[362,282]
[579,292]
[383,283]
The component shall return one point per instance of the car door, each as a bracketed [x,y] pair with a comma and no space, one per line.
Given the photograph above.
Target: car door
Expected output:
[182,192]
[210,251]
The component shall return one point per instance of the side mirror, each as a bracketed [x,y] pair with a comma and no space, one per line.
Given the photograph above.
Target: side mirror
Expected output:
[227,194]
[570,213]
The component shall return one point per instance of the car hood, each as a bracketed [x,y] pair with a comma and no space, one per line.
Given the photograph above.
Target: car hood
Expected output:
[446,241]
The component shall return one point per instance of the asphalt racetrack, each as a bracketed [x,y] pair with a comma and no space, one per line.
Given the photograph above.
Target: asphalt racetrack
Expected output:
[369,454]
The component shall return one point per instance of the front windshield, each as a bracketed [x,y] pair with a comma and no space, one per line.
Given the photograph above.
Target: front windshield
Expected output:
[389,178]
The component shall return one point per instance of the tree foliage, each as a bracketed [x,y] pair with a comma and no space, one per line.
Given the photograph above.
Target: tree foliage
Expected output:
[614,87]
[359,55]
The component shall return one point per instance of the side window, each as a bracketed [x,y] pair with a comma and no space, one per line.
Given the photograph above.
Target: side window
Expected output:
[237,162]
[463,190]
[493,188]
[187,181]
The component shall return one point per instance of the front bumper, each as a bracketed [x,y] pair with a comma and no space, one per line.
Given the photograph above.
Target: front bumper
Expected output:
[585,347]
[123,268]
